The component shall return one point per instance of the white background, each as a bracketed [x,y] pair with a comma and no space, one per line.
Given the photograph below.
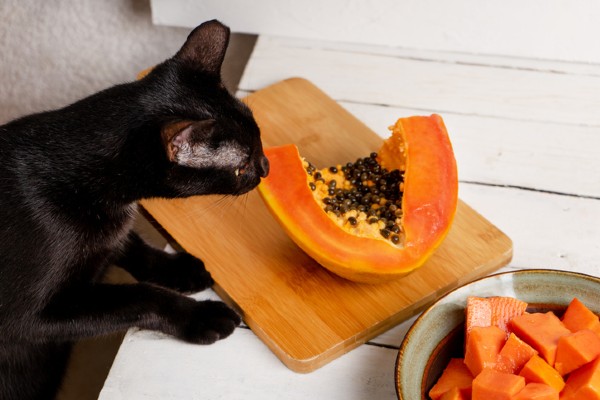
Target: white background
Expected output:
[563,30]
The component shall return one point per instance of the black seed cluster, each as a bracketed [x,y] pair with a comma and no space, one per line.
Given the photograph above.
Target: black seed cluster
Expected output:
[373,190]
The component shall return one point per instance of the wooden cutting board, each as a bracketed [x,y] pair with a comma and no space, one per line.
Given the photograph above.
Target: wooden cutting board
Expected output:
[306,315]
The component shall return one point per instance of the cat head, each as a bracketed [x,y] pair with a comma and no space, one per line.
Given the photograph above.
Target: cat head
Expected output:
[210,140]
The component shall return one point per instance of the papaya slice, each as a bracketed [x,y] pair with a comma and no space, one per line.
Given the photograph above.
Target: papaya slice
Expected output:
[455,375]
[536,391]
[455,394]
[491,384]
[541,331]
[576,349]
[583,383]
[483,348]
[386,213]
[514,355]
[538,370]
[577,317]
[488,311]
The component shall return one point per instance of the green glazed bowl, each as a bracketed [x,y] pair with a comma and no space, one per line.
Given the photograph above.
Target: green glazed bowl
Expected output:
[437,335]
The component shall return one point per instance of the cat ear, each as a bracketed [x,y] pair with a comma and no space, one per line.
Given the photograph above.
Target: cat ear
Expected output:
[206,46]
[180,137]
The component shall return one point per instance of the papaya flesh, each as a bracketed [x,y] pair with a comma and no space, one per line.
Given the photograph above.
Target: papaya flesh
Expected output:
[384,215]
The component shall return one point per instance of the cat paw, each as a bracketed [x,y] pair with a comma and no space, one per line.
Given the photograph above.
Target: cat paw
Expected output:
[209,322]
[183,273]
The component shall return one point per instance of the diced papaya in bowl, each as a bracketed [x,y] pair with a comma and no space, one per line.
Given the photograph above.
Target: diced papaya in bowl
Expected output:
[537,391]
[577,317]
[455,375]
[514,355]
[455,394]
[483,346]
[439,333]
[576,349]
[541,331]
[495,385]
[584,383]
[539,371]
[495,310]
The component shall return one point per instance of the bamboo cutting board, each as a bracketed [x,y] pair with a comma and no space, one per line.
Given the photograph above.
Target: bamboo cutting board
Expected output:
[306,315]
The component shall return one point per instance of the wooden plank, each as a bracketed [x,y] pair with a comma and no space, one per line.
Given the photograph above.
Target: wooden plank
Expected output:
[447,57]
[306,315]
[534,155]
[433,86]
[549,231]
[547,29]
[153,366]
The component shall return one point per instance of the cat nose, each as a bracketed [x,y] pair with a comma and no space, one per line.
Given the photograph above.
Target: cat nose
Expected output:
[264,166]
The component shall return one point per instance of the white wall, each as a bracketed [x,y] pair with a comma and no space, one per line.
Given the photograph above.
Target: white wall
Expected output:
[56,52]
[565,30]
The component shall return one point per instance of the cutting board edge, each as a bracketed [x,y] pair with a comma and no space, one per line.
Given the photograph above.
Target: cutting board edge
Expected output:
[311,364]
[315,361]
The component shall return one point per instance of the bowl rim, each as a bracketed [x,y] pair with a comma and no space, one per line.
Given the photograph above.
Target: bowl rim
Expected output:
[424,314]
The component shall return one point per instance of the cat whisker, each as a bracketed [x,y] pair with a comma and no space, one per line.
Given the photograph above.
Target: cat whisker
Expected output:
[208,206]
[242,210]
[227,205]
[237,205]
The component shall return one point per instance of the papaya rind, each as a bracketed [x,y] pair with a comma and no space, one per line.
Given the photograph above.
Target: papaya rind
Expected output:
[429,204]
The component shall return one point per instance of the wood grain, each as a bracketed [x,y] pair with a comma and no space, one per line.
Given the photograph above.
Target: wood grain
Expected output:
[511,148]
[525,154]
[563,31]
[306,315]
[458,87]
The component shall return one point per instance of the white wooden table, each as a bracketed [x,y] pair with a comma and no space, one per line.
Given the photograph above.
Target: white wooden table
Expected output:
[526,134]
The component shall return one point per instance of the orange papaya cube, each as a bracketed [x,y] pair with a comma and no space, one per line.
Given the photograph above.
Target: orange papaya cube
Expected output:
[537,391]
[477,313]
[541,331]
[495,385]
[577,317]
[483,346]
[583,383]
[576,349]
[455,375]
[488,311]
[537,370]
[455,394]
[514,355]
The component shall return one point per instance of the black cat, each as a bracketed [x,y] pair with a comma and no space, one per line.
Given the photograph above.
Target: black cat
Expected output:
[69,182]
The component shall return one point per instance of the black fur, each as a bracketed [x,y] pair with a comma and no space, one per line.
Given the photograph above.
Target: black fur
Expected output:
[69,182]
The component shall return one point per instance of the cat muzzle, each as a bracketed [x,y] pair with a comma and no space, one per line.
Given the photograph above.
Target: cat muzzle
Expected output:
[262,168]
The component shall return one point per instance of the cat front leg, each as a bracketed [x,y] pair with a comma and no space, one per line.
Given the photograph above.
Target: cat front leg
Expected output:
[99,309]
[179,271]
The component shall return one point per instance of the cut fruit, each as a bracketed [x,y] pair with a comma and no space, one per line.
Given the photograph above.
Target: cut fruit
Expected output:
[455,375]
[483,347]
[495,385]
[577,317]
[488,311]
[541,331]
[536,391]
[514,355]
[539,371]
[576,349]
[584,383]
[410,187]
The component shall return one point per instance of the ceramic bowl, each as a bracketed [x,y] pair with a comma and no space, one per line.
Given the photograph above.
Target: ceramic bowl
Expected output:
[437,335]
